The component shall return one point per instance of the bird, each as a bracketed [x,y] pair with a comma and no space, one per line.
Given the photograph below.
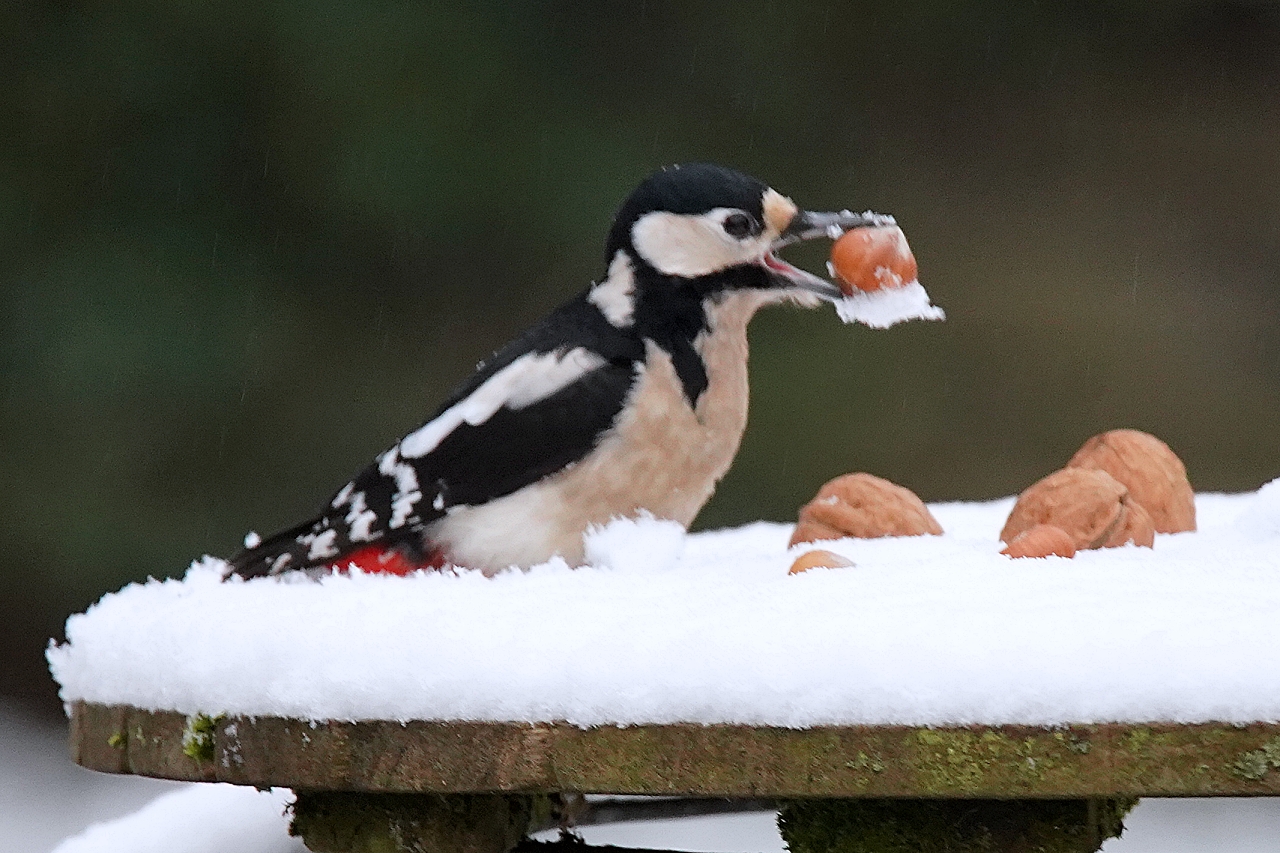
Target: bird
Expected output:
[629,399]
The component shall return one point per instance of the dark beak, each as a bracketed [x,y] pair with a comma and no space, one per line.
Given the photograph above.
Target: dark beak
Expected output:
[808,225]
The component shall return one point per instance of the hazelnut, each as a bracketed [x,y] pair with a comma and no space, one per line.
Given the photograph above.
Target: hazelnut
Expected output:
[818,560]
[1090,505]
[1153,474]
[1043,540]
[864,507]
[871,258]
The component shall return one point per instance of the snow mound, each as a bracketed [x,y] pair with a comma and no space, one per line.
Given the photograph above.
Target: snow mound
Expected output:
[889,306]
[709,628]
[643,544]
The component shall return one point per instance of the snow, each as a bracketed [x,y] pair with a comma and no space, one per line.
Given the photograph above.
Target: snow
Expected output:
[44,797]
[748,832]
[888,306]
[250,821]
[202,818]
[933,630]
[635,545]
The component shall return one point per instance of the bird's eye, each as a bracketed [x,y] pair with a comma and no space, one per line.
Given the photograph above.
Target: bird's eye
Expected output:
[738,225]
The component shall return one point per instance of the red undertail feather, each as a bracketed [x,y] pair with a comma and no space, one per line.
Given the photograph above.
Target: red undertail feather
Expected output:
[379,560]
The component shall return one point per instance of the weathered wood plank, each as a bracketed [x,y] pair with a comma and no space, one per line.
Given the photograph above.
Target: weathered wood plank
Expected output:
[1114,760]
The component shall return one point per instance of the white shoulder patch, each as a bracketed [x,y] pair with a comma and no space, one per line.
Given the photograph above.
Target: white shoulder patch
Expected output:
[615,296]
[520,384]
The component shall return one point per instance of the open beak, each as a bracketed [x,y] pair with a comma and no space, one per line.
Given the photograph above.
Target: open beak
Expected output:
[808,225]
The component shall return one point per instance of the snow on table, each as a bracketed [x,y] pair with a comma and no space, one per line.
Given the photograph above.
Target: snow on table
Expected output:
[709,628]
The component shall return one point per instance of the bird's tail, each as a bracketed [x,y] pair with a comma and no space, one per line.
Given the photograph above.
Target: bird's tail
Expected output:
[317,545]
[288,549]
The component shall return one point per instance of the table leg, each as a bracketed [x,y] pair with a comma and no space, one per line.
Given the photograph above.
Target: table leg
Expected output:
[951,826]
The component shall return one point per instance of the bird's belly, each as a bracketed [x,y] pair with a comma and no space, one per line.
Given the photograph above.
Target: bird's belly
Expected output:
[661,457]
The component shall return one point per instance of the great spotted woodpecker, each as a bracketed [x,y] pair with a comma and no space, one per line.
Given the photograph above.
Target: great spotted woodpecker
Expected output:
[631,397]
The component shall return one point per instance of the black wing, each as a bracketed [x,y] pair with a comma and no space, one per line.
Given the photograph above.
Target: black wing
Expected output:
[516,444]
[516,447]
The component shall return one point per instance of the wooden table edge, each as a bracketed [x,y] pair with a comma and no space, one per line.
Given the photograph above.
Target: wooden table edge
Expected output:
[979,762]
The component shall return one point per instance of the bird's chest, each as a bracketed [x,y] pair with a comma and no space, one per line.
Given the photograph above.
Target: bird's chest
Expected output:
[664,455]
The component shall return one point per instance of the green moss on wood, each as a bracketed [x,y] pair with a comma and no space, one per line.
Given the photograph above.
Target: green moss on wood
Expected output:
[957,761]
[1136,740]
[1257,763]
[197,736]
[950,826]
[866,762]
[117,740]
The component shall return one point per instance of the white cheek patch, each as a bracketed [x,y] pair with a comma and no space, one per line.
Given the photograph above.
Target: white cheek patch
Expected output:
[690,246]
[520,384]
[615,296]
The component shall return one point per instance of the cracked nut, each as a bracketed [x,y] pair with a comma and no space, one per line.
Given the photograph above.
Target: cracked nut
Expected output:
[818,560]
[1043,540]
[1090,505]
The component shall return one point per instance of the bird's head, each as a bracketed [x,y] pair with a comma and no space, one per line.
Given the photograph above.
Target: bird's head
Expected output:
[713,229]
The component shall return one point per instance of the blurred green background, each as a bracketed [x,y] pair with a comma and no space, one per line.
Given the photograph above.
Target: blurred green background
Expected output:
[246,245]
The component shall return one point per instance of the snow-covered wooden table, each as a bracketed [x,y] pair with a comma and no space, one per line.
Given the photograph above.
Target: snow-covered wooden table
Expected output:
[933,672]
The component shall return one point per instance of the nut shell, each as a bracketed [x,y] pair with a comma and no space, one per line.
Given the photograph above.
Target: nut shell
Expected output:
[819,560]
[1136,527]
[1153,474]
[872,258]
[1089,504]
[1043,540]
[863,506]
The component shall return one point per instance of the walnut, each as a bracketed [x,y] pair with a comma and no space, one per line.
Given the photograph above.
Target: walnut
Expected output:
[1153,474]
[1093,508]
[865,507]
[818,560]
